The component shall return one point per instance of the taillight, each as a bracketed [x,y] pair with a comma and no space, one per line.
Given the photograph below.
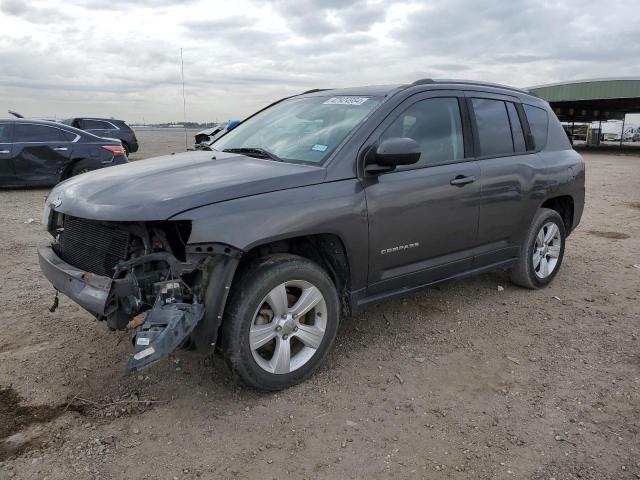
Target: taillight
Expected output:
[116,150]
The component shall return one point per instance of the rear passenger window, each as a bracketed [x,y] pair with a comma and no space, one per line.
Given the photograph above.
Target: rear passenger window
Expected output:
[516,128]
[494,130]
[539,123]
[27,132]
[436,125]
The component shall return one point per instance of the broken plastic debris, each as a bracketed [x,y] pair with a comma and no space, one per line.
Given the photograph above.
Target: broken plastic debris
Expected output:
[144,353]
[29,220]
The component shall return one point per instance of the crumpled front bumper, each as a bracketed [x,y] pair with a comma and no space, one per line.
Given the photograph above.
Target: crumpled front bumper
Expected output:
[88,290]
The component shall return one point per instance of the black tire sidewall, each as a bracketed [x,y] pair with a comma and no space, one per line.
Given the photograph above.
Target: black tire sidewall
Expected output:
[246,296]
[544,216]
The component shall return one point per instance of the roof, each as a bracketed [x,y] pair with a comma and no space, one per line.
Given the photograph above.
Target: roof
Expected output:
[599,89]
[593,99]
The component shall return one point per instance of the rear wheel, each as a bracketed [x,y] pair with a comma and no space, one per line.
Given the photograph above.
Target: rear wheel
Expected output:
[542,251]
[83,166]
[280,322]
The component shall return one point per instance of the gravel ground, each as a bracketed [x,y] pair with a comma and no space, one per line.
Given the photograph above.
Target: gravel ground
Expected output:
[462,381]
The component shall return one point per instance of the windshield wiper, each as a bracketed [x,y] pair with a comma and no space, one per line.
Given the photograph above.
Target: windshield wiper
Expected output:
[256,152]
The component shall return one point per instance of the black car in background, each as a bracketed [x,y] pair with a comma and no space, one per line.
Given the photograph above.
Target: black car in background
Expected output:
[43,153]
[107,127]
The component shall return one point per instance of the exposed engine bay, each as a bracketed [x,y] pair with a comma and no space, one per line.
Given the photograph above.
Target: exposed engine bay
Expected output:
[157,283]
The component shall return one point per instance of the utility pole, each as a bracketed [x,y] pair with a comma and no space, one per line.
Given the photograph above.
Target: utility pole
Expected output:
[184,103]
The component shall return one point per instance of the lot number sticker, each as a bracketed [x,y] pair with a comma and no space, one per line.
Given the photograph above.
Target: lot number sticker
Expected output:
[346,101]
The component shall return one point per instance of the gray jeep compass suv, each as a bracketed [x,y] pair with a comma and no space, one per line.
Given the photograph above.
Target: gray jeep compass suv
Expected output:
[319,204]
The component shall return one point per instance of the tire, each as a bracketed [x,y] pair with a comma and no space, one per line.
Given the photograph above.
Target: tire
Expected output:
[534,270]
[127,148]
[252,316]
[82,166]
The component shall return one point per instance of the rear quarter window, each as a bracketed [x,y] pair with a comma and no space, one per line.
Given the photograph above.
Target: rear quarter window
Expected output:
[70,136]
[538,123]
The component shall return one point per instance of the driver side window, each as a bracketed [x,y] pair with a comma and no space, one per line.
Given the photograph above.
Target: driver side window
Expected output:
[436,125]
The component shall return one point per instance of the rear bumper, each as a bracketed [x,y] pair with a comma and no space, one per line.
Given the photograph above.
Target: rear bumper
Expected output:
[86,289]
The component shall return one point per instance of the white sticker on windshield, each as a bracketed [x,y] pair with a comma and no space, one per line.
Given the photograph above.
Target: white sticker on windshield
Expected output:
[319,148]
[345,101]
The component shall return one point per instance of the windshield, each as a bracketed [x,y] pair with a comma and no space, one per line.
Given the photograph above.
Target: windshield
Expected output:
[301,129]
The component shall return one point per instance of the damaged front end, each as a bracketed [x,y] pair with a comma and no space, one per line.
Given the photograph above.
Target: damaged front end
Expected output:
[143,277]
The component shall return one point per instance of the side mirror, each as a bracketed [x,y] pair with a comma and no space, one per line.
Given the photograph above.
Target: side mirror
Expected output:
[391,153]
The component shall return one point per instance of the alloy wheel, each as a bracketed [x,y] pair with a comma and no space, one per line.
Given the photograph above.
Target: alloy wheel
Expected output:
[546,250]
[288,327]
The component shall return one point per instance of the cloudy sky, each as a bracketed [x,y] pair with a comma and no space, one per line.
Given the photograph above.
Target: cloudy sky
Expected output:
[122,58]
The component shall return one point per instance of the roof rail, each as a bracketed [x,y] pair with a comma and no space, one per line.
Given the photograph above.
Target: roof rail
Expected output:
[423,81]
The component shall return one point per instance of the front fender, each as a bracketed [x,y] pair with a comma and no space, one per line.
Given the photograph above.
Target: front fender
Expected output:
[336,207]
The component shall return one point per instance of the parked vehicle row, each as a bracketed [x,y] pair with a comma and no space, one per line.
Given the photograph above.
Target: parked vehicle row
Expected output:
[318,205]
[43,153]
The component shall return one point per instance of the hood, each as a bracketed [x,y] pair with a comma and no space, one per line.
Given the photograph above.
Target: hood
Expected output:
[159,188]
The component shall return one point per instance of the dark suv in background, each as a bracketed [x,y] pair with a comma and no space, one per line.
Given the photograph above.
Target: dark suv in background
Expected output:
[109,128]
[317,205]
[43,153]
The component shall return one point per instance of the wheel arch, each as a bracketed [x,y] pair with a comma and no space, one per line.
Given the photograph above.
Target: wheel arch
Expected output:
[227,264]
[68,169]
[326,249]
[565,206]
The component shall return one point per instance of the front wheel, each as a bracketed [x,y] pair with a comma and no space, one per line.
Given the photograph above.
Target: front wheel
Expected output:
[542,251]
[280,322]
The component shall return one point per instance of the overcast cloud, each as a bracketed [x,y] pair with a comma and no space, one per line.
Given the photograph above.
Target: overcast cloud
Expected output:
[122,58]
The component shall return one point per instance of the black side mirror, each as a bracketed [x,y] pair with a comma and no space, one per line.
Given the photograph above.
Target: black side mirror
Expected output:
[391,153]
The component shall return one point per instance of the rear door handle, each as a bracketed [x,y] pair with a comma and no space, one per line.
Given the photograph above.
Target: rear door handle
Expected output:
[61,149]
[462,180]
[4,151]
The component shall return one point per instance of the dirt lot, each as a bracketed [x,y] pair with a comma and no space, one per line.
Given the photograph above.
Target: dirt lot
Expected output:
[462,381]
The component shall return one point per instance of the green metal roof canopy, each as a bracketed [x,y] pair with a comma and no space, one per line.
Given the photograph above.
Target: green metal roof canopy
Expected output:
[590,100]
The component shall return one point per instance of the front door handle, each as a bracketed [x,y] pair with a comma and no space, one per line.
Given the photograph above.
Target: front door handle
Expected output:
[462,180]
[61,149]
[4,151]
